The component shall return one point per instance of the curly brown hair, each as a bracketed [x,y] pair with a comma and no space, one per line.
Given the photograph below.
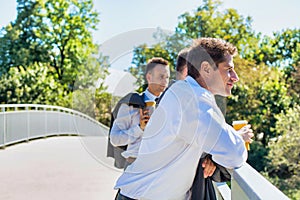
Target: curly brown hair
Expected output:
[212,50]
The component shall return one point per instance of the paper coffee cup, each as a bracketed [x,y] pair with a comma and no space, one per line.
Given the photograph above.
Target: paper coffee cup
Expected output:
[237,125]
[150,105]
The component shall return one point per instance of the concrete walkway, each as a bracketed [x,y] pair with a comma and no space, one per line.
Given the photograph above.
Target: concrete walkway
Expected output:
[57,168]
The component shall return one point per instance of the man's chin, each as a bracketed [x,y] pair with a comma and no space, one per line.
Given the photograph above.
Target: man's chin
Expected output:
[224,94]
[162,88]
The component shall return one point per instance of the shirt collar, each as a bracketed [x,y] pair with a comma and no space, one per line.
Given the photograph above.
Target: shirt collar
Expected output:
[149,95]
[195,84]
[192,81]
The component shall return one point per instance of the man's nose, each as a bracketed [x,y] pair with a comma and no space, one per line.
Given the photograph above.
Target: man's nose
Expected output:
[234,77]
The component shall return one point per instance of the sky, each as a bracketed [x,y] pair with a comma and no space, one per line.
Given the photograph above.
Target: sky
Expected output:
[126,23]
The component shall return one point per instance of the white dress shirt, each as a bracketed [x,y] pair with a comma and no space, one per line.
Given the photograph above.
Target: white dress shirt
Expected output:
[126,129]
[186,123]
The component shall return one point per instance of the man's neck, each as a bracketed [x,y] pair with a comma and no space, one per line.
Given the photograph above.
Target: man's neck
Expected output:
[154,93]
[201,82]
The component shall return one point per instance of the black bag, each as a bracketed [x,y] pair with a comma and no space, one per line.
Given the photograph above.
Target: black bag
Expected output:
[132,99]
[202,188]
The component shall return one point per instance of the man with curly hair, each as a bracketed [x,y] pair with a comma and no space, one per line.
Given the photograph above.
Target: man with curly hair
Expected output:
[186,124]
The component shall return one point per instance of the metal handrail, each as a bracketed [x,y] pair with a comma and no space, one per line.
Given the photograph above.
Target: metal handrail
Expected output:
[22,122]
[58,108]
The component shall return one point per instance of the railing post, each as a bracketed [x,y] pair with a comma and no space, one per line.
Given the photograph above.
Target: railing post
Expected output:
[45,111]
[28,123]
[59,122]
[4,127]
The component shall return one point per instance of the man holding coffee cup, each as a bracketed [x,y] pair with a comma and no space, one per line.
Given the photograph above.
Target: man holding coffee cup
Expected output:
[130,122]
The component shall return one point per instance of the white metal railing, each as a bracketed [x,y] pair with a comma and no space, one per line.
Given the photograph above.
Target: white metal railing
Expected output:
[247,183]
[22,122]
[222,191]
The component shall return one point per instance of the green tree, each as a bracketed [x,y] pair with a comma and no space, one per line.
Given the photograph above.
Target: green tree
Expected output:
[54,32]
[205,21]
[50,48]
[103,107]
[69,37]
[284,156]
[294,84]
[282,49]
[208,21]
[20,45]
[31,86]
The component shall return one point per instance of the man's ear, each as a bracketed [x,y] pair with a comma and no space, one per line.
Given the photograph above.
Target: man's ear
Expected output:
[148,77]
[205,68]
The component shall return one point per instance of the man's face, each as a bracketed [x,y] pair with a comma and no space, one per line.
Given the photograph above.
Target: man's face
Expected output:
[158,79]
[223,79]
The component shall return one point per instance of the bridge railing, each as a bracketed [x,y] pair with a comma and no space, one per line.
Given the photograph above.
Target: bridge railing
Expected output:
[22,122]
[248,184]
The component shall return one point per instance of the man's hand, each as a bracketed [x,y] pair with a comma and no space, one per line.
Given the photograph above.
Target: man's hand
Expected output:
[144,118]
[208,167]
[247,133]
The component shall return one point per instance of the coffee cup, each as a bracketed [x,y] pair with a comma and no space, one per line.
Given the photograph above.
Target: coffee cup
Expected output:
[147,110]
[237,125]
[150,106]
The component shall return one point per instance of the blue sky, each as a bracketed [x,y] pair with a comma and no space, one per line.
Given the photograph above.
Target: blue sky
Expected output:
[120,16]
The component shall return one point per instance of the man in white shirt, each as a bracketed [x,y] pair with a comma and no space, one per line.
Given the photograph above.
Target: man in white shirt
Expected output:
[187,123]
[130,122]
[181,73]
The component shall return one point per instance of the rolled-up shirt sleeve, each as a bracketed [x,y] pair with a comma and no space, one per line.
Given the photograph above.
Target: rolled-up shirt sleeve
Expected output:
[229,150]
[126,129]
[224,144]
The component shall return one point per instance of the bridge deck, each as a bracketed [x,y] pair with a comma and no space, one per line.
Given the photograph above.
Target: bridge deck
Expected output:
[55,168]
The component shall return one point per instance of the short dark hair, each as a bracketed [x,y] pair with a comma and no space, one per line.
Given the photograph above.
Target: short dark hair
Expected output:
[153,62]
[212,50]
[181,59]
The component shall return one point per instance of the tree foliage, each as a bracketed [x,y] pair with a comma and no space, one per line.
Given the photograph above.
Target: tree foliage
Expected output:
[56,33]
[205,21]
[103,107]
[48,52]
[31,86]
[282,49]
[284,157]
[208,21]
